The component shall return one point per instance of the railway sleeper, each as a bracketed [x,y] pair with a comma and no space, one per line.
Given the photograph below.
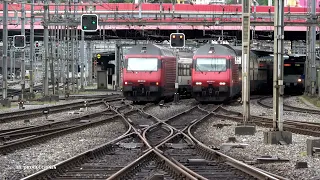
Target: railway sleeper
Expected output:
[101,164]
[206,166]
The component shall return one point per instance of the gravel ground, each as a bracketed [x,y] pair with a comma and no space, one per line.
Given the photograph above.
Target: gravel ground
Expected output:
[296,102]
[56,117]
[17,165]
[257,110]
[170,109]
[210,135]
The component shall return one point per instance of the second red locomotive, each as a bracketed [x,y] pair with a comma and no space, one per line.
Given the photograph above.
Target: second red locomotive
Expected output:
[216,76]
[149,73]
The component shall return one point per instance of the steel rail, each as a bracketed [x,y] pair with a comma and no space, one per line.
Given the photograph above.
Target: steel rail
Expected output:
[151,128]
[30,113]
[255,172]
[76,160]
[177,162]
[142,160]
[162,122]
[298,127]
[288,107]
[131,126]
[188,176]
[311,125]
[41,129]
[4,149]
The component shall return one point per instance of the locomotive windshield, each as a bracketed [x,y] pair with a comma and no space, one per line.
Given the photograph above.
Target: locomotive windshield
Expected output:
[292,69]
[211,64]
[142,64]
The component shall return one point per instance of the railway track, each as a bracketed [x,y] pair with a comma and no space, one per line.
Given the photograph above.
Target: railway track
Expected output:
[32,113]
[28,136]
[97,163]
[299,127]
[286,107]
[160,148]
[219,160]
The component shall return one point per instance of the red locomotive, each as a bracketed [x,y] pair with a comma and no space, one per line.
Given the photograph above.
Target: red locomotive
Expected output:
[217,78]
[149,73]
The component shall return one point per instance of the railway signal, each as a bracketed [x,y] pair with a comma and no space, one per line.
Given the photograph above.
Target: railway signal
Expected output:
[177,40]
[19,41]
[89,22]
[36,44]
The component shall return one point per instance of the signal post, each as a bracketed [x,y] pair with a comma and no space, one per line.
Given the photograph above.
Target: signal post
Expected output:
[177,40]
[5,101]
[89,23]
[245,128]
[277,135]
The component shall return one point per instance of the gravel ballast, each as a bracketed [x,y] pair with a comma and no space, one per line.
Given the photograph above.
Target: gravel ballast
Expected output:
[297,101]
[258,110]
[63,116]
[170,109]
[15,165]
[211,136]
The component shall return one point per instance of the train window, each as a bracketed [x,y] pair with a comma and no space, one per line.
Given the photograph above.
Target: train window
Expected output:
[142,64]
[184,70]
[291,70]
[211,64]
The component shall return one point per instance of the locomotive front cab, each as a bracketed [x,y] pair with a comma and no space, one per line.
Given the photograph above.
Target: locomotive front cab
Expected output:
[211,78]
[293,75]
[141,78]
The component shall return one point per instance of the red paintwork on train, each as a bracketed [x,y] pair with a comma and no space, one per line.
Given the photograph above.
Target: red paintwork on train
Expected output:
[155,7]
[216,84]
[216,77]
[163,78]
[133,77]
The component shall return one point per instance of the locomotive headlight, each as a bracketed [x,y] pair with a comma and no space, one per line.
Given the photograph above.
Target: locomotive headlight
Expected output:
[299,80]
[222,83]
[125,82]
[157,83]
[198,83]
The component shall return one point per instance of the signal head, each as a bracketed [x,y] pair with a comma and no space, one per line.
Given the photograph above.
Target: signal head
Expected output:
[89,22]
[177,42]
[19,41]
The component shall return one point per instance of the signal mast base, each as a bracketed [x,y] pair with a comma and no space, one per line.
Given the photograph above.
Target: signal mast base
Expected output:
[245,129]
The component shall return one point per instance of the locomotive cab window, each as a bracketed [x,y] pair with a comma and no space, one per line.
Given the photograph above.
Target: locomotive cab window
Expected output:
[292,69]
[211,64]
[143,64]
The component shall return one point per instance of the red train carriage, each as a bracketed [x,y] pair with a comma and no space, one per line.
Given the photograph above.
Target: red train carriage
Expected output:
[149,73]
[216,77]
